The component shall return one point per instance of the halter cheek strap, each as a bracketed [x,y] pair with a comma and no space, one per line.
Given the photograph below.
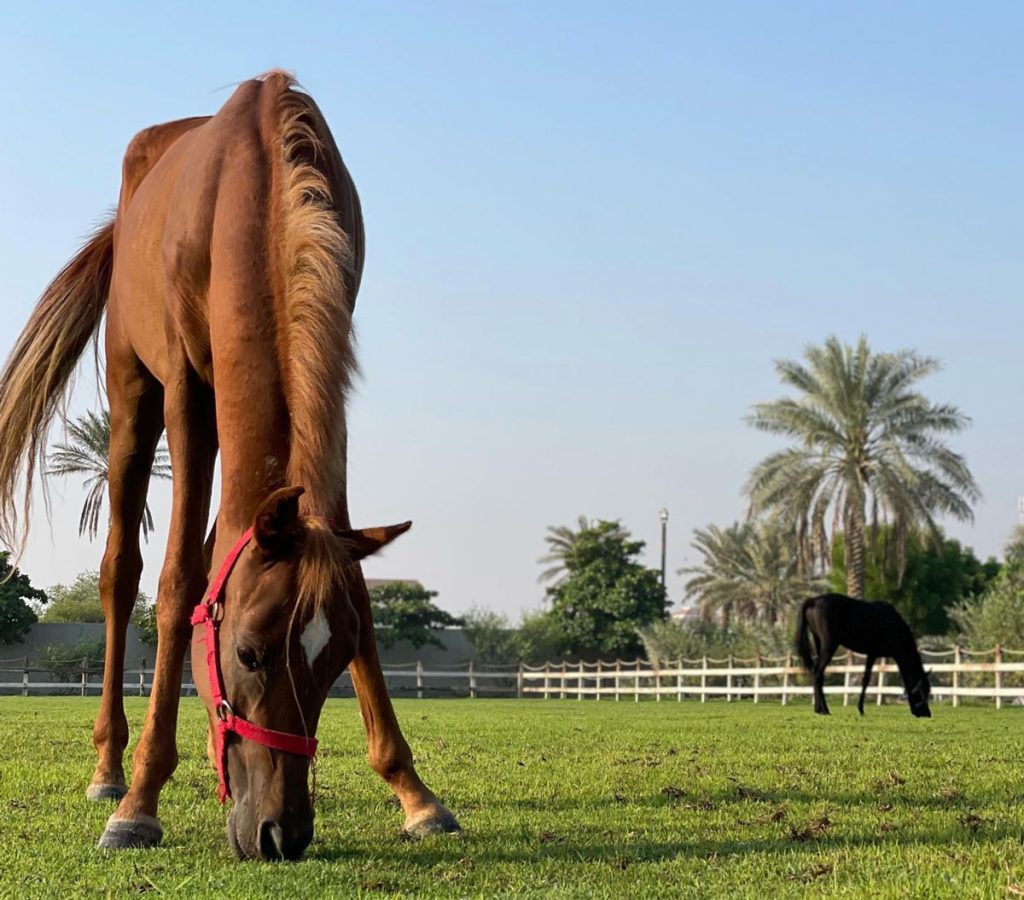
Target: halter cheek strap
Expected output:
[206,613]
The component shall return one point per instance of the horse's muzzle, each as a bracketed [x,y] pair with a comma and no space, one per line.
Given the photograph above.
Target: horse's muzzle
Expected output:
[269,840]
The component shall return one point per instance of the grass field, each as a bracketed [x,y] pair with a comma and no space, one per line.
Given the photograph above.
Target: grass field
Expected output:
[561,798]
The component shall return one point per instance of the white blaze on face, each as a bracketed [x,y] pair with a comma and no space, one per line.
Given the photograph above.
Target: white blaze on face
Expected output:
[315,636]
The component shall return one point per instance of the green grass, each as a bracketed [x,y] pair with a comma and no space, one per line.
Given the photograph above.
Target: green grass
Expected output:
[561,798]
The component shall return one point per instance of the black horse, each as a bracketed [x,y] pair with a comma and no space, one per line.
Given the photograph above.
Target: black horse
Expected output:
[872,628]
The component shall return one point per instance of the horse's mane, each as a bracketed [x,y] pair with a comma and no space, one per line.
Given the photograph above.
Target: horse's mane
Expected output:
[320,274]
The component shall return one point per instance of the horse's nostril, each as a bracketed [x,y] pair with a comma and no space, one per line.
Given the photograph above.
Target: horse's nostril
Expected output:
[271,840]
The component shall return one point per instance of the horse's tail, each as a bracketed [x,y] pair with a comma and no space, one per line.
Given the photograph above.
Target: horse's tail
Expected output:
[803,643]
[35,379]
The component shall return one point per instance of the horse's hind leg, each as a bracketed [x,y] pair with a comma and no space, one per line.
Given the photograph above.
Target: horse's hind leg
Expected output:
[136,420]
[865,681]
[825,652]
[390,756]
[192,440]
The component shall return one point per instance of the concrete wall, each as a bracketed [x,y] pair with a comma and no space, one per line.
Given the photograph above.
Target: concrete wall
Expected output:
[456,653]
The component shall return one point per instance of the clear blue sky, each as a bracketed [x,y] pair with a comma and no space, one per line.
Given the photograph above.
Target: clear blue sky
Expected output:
[591,228]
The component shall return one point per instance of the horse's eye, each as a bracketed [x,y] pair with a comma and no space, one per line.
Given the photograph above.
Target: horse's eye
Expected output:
[248,658]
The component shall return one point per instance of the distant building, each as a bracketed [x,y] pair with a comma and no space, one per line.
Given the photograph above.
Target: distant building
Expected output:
[685,614]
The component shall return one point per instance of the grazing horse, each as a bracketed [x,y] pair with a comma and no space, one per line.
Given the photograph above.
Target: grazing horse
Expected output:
[228,276]
[872,628]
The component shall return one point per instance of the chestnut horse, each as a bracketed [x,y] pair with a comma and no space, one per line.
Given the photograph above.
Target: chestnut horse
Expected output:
[228,276]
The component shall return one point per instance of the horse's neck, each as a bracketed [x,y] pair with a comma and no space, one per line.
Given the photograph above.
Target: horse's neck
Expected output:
[256,457]
[910,666]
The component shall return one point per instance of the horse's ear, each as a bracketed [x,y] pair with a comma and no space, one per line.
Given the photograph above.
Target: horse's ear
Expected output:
[365,542]
[277,528]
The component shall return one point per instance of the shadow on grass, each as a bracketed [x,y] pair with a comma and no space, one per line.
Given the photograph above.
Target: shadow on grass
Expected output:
[591,846]
[739,796]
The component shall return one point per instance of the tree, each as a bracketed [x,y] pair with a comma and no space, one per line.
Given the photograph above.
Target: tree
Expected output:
[80,602]
[997,617]
[64,662]
[748,571]
[86,453]
[869,450]
[77,602]
[16,616]
[538,638]
[562,541]
[144,619]
[403,611]
[491,635]
[691,639]
[938,575]
[605,594]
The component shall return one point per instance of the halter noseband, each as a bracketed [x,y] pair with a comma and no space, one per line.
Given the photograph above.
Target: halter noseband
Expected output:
[206,612]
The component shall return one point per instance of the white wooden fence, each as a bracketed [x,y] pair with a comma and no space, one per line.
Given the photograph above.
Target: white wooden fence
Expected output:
[955,674]
[20,676]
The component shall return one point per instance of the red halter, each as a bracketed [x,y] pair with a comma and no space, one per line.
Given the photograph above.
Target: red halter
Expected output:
[206,612]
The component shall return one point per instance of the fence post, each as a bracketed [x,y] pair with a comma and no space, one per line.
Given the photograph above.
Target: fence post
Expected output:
[846,678]
[597,681]
[657,681]
[547,680]
[679,681]
[785,676]
[881,684]
[999,676]
[618,679]
[956,675]
[757,678]
[472,681]
[728,681]
[519,682]
[142,678]
[419,679]
[24,680]
[579,683]
[636,683]
[85,663]
[703,681]
[562,694]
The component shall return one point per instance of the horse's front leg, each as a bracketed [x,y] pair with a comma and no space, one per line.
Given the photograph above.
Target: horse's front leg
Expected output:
[390,756]
[865,681]
[191,436]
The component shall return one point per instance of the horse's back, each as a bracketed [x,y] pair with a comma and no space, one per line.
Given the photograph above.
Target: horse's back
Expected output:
[198,210]
[871,627]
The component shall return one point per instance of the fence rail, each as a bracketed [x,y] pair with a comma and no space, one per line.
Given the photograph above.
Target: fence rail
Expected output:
[412,679]
[958,673]
[954,674]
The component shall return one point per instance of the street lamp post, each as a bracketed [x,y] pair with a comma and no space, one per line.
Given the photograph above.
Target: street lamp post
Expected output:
[663,515]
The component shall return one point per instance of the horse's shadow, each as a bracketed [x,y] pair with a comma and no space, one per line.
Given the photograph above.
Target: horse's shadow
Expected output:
[592,843]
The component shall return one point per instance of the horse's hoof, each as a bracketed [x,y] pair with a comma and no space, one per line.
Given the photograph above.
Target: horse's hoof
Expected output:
[99,792]
[438,821]
[123,834]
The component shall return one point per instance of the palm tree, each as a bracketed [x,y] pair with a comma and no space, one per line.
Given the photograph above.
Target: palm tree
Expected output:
[85,453]
[868,450]
[748,571]
[562,540]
